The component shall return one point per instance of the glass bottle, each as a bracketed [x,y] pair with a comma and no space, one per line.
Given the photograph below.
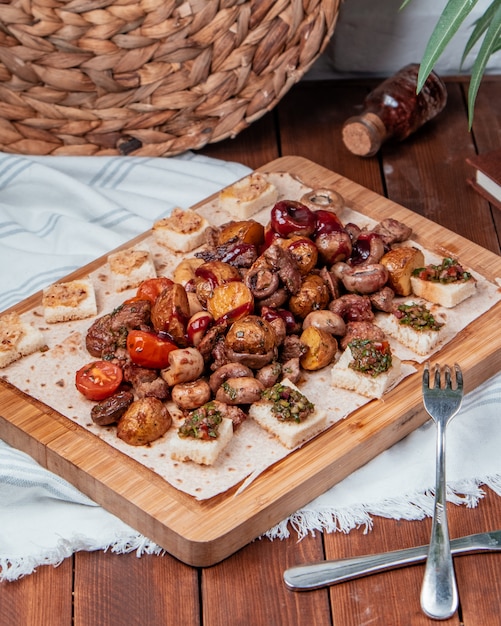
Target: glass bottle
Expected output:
[394,110]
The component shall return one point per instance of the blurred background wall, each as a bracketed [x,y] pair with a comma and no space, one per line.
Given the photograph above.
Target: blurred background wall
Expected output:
[373,37]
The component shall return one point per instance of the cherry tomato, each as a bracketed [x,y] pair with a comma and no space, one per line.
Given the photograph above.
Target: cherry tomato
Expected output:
[148,349]
[98,380]
[151,288]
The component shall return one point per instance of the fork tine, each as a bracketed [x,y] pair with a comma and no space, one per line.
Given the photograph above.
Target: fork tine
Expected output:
[459,376]
[426,374]
[447,375]
[437,376]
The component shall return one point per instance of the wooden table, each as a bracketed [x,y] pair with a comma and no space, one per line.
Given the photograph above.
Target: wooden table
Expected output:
[428,175]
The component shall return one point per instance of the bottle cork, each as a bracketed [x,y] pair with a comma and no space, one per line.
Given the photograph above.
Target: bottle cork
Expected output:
[364,134]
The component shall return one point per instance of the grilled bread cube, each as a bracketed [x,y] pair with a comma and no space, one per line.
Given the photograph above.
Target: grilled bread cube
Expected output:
[130,267]
[72,300]
[248,196]
[447,295]
[342,375]
[182,231]
[421,337]
[18,339]
[290,433]
[202,451]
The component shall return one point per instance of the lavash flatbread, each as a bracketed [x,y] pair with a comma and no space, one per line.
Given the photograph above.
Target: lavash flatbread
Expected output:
[49,376]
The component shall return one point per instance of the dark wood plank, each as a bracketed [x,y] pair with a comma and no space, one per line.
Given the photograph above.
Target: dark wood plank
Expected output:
[253,147]
[311,118]
[486,129]
[428,174]
[478,576]
[113,589]
[393,597]
[44,597]
[248,588]
[386,598]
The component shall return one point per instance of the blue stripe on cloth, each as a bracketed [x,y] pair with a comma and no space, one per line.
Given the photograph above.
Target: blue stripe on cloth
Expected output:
[112,218]
[10,168]
[116,171]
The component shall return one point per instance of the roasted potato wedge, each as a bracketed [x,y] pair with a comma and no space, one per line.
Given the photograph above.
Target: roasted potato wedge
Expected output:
[248,231]
[322,347]
[184,273]
[303,251]
[211,274]
[230,301]
[400,263]
[170,313]
[252,335]
[146,420]
[312,296]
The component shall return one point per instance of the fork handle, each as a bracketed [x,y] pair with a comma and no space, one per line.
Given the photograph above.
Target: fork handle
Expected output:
[439,595]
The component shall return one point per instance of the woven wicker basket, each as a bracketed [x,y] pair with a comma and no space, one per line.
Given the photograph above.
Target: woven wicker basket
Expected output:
[148,77]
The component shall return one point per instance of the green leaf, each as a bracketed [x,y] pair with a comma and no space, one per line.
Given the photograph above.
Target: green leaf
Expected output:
[489,45]
[449,22]
[481,26]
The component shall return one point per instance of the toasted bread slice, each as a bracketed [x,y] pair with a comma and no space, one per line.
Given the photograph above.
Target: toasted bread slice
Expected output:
[248,196]
[18,339]
[290,433]
[182,231]
[202,451]
[447,295]
[72,300]
[342,375]
[130,267]
[420,340]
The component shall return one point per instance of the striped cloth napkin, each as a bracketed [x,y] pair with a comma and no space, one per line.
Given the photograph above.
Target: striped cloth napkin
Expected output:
[59,213]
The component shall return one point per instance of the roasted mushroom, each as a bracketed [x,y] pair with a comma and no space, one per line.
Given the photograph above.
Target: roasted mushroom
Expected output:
[185,365]
[191,395]
[241,390]
[251,341]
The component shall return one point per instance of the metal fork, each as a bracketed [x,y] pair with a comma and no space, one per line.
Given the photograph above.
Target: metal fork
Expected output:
[439,595]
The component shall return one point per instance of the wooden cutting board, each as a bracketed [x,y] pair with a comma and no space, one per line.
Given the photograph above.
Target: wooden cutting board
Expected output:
[202,533]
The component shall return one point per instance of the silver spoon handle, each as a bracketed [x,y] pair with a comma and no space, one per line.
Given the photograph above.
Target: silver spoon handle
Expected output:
[316,575]
[323,573]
